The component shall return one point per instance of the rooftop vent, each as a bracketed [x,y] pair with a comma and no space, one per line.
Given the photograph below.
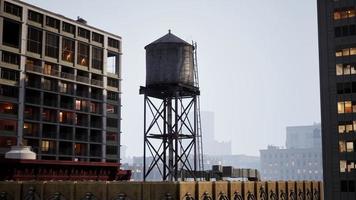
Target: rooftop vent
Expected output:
[81,20]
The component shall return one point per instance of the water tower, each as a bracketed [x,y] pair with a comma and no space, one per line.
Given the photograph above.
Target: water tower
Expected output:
[172,132]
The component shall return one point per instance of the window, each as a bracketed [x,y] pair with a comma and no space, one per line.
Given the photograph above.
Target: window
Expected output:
[12,9]
[35,16]
[113,82]
[83,54]
[11,58]
[343,31]
[344,13]
[69,28]
[111,109]
[96,37]
[51,22]
[68,47]
[83,33]
[349,146]
[113,63]
[9,91]
[112,122]
[345,107]
[113,43]
[8,108]
[111,136]
[52,45]
[94,107]
[342,147]
[34,41]
[9,74]
[112,96]
[345,52]
[111,150]
[45,146]
[97,60]
[351,186]
[11,33]
[345,69]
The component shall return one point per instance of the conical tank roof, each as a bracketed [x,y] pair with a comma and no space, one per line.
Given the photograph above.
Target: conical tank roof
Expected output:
[168,38]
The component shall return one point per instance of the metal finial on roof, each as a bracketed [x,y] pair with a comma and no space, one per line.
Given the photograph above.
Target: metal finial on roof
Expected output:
[169,31]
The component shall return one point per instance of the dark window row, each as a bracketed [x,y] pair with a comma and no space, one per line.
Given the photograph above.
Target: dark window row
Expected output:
[83,33]
[11,58]
[113,43]
[113,82]
[35,16]
[97,37]
[346,87]
[52,22]
[69,28]
[34,40]
[9,91]
[347,30]
[9,74]
[11,33]
[114,96]
[12,9]
[348,186]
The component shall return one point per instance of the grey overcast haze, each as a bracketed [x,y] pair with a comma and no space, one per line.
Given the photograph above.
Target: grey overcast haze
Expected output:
[258,61]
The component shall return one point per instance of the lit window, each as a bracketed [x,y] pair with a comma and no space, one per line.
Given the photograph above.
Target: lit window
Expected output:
[342,129]
[340,107]
[349,128]
[352,51]
[338,53]
[342,147]
[60,116]
[339,69]
[337,15]
[45,146]
[347,70]
[343,166]
[345,52]
[348,107]
[78,104]
[349,146]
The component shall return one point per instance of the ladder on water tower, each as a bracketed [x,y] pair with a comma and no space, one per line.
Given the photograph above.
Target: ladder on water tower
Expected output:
[199,136]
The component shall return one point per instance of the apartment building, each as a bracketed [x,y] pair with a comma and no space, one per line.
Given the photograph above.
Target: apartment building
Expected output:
[59,85]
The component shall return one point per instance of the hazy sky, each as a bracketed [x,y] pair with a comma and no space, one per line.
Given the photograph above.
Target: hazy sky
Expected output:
[258,61]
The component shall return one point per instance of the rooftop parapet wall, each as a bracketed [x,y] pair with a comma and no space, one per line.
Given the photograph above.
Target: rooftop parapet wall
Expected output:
[219,190]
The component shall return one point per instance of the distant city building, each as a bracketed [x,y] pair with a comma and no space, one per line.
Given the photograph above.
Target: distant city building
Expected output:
[210,144]
[237,161]
[59,85]
[301,160]
[302,137]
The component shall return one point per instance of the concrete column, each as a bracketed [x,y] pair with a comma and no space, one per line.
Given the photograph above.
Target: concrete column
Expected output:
[105,52]
[23,48]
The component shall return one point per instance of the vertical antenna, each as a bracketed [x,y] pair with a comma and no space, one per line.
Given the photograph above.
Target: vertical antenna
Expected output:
[198,122]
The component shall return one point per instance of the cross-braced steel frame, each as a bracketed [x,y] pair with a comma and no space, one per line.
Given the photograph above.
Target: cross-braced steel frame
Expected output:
[170,130]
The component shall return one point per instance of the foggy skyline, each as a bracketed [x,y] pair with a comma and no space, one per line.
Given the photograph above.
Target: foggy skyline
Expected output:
[257,59]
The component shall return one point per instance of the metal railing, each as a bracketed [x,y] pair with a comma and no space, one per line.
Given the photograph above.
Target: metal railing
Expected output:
[83,79]
[96,82]
[34,68]
[67,75]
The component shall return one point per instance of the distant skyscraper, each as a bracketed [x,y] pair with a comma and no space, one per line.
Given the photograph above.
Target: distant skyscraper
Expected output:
[301,160]
[210,144]
[337,65]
